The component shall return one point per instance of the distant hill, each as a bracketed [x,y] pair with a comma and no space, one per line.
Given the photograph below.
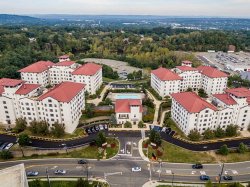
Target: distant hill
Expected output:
[7,19]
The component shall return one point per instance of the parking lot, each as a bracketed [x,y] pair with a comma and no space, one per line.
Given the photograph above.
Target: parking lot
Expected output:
[229,62]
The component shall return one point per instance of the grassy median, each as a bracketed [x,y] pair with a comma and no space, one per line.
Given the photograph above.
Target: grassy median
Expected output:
[65,184]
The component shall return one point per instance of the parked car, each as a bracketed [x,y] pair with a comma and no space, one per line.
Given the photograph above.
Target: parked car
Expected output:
[60,172]
[8,146]
[3,145]
[101,127]
[172,133]
[82,162]
[88,131]
[204,178]
[106,127]
[228,177]
[197,166]
[97,128]
[32,173]
[136,169]
[92,129]
[164,129]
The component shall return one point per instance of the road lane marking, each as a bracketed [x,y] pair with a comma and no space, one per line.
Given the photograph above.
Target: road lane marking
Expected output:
[168,171]
[235,172]
[54,167]
[193,172]
[202,172]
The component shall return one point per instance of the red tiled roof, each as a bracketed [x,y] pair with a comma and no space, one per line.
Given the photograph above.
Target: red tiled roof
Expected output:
[63,92]
[123,105]
[10,82]
[27,88]
[64,56]
[192,102]
[37,67]
[186,68]
[1,89]
[64,63]
[225,98]
[239,92]
[165,74]
[211,72]
[187,62]
[87,69]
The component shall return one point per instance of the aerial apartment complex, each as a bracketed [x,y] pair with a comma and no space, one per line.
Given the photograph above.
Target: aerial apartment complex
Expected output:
[179,79]
[32,99]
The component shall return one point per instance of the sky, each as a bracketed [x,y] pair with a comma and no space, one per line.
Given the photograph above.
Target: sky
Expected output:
[218,8]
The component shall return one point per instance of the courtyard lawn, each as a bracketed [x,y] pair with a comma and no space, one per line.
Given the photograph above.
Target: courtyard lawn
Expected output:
[172,153]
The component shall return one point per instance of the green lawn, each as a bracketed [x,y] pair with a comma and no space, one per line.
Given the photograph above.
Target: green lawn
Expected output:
[91,152]
[64,184]
[172,153]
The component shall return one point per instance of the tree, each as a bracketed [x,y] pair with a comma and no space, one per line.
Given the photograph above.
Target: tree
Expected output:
[194,135]
[21,125]
[155,137]
[100,139]
[23,140]
[223,150]
[82,183]
[6,154]
[89,109]
[112,119]
[219,132]
[231,130]
[39,128]
[242,148]
[202,93]
[208,134]
[189,89]
[58,130]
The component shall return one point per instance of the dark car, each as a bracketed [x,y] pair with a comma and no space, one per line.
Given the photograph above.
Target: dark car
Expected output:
[88,131]
[197,166]
[97,128]
[32,173]
[92,129]
[82,162]
[227,177]
[3,145]
[204,178]
[172,133]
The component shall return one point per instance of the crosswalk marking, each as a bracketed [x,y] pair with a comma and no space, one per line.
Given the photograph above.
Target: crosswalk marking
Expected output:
[203,172]
[235,172]
[168,171]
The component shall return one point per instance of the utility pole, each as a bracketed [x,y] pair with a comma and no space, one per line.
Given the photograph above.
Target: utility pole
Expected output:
[160,162]
[87,172]
[47,173]
[172,179]
[222,168]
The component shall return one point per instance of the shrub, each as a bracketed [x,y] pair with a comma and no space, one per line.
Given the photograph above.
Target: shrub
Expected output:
[53,154]
[202,93]
[58,130]
[223,150]
[242,148]
[6,154]
[231,130]
[21,125]
[194,135]
[208,134]
[141,124]
[127,125]
[39,127]
[219,132]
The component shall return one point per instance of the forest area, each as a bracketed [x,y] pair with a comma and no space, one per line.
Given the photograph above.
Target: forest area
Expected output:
[143,48]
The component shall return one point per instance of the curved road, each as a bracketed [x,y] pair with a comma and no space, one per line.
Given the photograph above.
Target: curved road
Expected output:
[42,144]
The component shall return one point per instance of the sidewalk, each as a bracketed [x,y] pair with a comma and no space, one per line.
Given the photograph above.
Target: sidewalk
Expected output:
[141,150]
[156,183]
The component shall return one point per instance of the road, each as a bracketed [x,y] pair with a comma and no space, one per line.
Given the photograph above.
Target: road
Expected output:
[41,144]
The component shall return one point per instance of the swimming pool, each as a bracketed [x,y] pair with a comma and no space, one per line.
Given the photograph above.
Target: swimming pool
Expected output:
[127,96]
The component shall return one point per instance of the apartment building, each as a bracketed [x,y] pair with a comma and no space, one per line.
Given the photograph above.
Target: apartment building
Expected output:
[191,77]
[62,71]
[128,110]
[165,82]
[89,74]
[37,73]
[63,103]
[213,80]
[234,107]
[190,112]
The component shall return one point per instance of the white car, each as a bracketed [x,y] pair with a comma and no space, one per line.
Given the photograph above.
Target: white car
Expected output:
[8,146]
[60,172]
[136,169]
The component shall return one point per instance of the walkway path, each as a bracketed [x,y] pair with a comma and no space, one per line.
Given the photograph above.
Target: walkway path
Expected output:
[163,116]
[157,106]
[99,99]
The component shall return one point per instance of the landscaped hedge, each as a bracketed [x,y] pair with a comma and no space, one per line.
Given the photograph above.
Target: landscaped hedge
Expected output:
[154,93]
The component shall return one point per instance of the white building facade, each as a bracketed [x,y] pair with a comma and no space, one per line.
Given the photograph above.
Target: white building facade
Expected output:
[63,103]
[165,82]
[128,110]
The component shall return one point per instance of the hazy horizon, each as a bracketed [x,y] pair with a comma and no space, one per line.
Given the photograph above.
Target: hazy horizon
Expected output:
[172,8]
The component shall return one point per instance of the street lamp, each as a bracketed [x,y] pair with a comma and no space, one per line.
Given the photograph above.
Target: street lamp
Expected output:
[47,173]
[222,168]
[172,179]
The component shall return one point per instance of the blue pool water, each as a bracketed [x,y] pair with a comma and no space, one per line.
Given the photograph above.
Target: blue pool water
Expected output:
[127,96]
